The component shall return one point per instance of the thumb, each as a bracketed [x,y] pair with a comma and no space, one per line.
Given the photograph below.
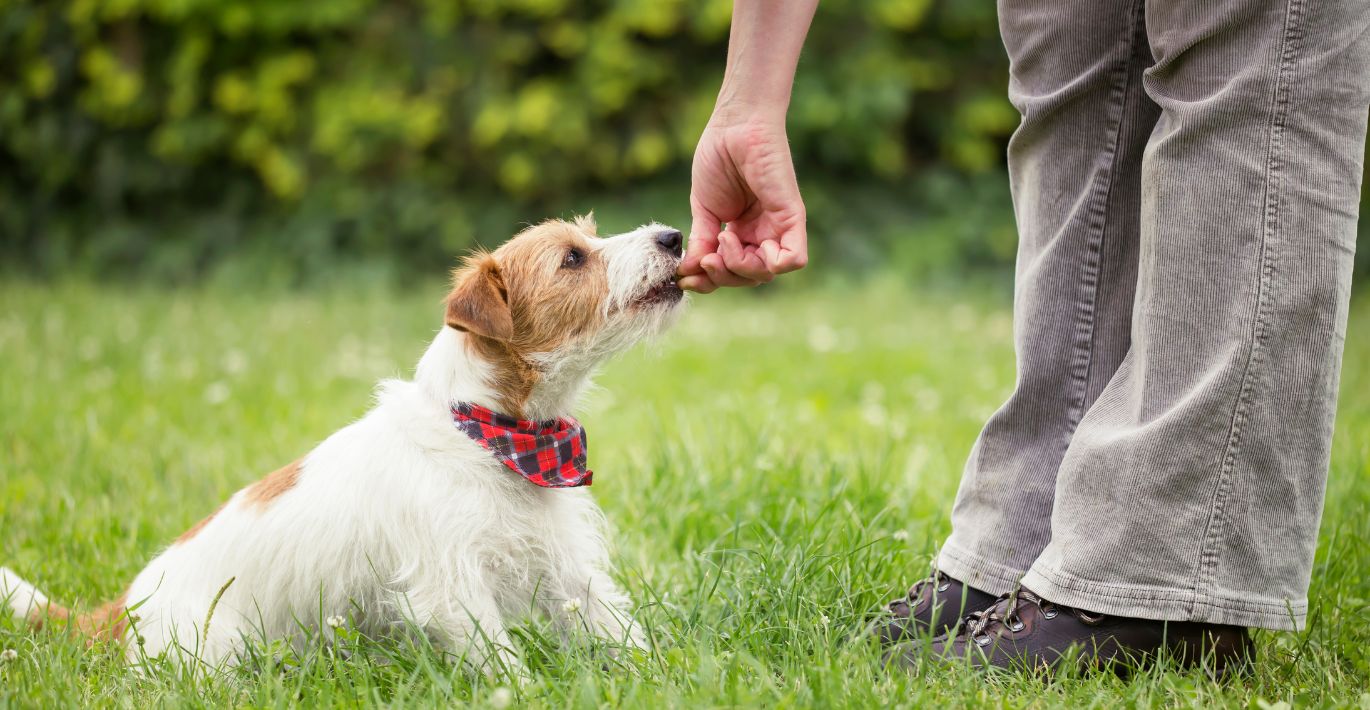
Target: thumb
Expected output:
[704,229]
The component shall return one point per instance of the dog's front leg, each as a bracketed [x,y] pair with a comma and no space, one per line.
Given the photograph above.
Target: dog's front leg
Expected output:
[594,603]
[473,630]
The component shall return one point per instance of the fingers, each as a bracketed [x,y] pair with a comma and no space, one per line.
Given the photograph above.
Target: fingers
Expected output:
[789,250]
[715,259]
[781,206]
[741,260]
[699,283]
[704,228]
[733,265]
[791,253]
[718,272]
[753,187]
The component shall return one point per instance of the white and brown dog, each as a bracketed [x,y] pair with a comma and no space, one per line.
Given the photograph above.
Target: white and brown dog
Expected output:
[403,518]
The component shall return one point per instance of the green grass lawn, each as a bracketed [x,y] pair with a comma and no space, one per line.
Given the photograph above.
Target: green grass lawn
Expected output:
[776,467]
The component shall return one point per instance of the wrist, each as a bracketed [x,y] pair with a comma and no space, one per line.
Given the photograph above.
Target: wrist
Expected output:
[733,110]
[763,52]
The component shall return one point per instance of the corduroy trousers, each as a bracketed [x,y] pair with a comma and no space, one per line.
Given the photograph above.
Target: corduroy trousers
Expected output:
[1186,180]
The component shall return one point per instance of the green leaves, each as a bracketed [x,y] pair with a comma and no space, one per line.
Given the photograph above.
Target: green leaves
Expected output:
[358,88]
[163,133]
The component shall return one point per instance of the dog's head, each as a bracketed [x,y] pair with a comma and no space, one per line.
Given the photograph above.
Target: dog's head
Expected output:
[556,300]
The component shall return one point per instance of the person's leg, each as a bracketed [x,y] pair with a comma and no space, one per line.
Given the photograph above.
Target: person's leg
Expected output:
[1192,489]
[1075,166]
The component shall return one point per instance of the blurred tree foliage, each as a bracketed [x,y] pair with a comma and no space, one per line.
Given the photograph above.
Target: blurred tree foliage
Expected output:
[163,134]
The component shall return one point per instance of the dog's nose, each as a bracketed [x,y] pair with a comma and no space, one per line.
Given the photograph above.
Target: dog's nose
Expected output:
[670,240]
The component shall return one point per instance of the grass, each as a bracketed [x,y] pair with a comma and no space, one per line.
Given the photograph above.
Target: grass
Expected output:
[778,466]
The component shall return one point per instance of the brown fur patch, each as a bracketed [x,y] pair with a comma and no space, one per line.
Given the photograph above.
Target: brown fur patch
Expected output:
[108,622]
[274,485]
[478,302]
[514,377]
[197,527]
[38,618]
[551,305]
[548,305]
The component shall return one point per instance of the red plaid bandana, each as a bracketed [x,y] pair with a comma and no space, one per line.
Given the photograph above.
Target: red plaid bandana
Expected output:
[550,454]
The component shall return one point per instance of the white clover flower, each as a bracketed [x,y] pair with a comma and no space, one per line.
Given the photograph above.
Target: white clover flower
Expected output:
[571,606]
[822,338]
[824,619]
[900,535]
[335,622]
[875,414]
[235,362]
[8,655]
[501,698]
[217,393]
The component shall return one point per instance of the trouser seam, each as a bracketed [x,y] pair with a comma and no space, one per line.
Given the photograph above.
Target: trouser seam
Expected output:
[1189,605]
[1138,592]
[980,566]
[1086,312]
[1279,106]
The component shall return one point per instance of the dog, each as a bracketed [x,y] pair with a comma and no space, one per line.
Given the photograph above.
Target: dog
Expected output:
[424,513]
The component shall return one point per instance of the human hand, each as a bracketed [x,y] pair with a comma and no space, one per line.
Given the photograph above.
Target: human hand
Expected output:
[743,176]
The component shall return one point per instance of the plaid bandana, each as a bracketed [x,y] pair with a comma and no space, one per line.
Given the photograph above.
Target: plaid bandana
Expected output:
[550,454]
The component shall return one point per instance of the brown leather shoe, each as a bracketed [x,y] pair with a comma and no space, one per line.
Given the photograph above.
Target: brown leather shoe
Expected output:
[1024,631]
[932,607]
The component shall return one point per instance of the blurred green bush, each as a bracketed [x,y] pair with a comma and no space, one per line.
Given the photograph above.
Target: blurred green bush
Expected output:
[163,135]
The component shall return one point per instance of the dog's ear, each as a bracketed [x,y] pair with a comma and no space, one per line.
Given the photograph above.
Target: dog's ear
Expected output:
[586,223]
[479,302]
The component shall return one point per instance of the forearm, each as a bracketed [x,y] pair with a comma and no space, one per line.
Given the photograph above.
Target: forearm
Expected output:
[763,52]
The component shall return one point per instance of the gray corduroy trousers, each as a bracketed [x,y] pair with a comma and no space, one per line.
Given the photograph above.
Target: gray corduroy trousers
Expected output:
[1186,180]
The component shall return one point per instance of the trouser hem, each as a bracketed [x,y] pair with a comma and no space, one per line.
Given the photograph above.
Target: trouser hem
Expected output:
[971,569]
[1165,604]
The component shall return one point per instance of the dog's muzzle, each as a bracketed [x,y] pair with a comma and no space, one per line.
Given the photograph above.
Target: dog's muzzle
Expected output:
[672,242]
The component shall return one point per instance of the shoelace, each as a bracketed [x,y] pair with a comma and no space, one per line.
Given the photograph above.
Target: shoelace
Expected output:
[942,581]
[1005,610]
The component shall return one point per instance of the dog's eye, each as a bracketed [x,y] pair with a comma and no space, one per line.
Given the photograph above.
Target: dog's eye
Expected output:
[574,258]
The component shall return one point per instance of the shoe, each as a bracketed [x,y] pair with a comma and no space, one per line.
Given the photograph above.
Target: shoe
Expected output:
[932,608]
[1023,630]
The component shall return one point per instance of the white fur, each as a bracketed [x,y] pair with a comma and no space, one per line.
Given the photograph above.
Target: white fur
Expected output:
[401,520]
[634,265]
[23,598]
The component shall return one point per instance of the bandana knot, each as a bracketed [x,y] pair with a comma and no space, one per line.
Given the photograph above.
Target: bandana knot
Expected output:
[549,453]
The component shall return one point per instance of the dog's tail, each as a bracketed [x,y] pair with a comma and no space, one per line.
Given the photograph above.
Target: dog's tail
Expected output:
[30,606]
[25,602]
